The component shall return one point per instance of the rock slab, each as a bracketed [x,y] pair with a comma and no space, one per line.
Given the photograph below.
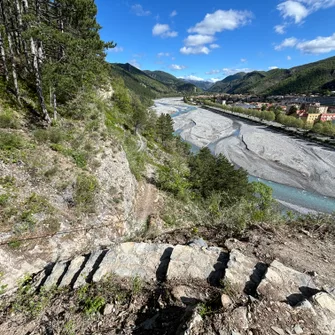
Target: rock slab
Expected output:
[147,261]
[285,284]
[196,263]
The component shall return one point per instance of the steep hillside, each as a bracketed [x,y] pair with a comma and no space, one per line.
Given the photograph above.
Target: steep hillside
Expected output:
[313,77]
[150,84]
[176,83]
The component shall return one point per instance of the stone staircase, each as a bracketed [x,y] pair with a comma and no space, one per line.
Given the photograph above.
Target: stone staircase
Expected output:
[245,275]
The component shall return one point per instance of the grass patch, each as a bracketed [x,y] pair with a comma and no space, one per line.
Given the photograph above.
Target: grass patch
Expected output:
[8,120]
[137,159]
[80,157]
[10,141]
[85,191]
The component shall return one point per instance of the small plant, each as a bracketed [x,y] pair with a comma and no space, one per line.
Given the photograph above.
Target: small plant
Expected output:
[204,309]
[85,190]
[94,305]
[8,120]
[2,286]
[137,285]
[14,244]
[10,141]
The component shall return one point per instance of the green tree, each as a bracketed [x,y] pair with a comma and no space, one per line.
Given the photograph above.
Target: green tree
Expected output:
[164,128]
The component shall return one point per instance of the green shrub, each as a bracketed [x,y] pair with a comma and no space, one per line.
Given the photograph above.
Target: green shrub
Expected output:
[8,120]
[85,191]
[41,135]
[94,305]
[10,141]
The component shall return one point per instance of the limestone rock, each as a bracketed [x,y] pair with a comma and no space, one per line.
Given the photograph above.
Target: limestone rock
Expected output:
[239,318]
[148,261]
[74,267]
[239,270]
[187,262]
[55,275]
[81,280]
[226,301]
[325,301]
[282,283]
[187,295]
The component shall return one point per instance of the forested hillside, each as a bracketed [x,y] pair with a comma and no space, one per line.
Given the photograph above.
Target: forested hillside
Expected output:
[309,78]
[50,50]
[153,84]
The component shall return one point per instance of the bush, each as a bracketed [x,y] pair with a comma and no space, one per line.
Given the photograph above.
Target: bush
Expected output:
[8,120]
[85,191]
[9,141]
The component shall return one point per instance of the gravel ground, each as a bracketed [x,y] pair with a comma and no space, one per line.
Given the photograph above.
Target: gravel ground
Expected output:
[265,154]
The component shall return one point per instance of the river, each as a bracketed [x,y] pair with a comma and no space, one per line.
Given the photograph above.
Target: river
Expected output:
[301,174]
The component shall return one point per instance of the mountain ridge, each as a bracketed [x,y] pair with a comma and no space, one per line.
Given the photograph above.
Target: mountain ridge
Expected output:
[308,78]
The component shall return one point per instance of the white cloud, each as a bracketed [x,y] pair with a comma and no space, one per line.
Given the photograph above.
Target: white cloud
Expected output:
[287,43]
[317,46]
[289,57]
[173,13]
[135,63]
[204,31]
[195,40]
[229,72]
[139,11]
[298,10]
[192,77]
[273,67]
[195,50]
[163,54]
[163,30]
[116,49]
[243,60]
[176,67]
[213,72]
[280,29]
[294,10]
[221,20]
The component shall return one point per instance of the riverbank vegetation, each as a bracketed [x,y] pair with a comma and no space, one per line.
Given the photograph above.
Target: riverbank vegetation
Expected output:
[321,128]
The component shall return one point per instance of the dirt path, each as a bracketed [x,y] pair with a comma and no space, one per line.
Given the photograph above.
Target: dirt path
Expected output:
[145,202]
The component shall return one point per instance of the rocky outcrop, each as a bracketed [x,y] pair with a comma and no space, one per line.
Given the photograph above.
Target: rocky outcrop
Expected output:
[272,298]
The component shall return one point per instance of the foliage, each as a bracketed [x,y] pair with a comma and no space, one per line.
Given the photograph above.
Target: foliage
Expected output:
[164,129]
[10,141]
[8,119]
[309,78]
[85,190]
[209,173]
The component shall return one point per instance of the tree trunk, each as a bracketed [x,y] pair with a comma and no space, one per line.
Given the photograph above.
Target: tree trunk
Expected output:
[10,50]
[3,57]
[55,106]
[39,81]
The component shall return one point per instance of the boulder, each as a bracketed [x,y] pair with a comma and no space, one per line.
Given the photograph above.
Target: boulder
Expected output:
[282,283]
[241,271]
[72,270]
[147,261]
[196,263]
[187,295]
[88,268]
[325,301]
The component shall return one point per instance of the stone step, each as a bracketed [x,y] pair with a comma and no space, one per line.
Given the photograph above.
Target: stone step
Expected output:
[147,261]
[72,271]
[188,262]
[282,283]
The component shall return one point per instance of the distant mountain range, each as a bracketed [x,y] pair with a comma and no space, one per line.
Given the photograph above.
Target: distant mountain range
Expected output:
[152,84]
[309,78]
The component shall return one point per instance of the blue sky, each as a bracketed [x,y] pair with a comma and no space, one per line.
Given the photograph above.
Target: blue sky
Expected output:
[215,38]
